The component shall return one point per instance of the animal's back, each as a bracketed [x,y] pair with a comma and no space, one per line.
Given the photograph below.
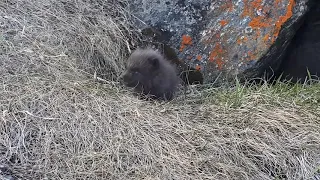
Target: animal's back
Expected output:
[167,81]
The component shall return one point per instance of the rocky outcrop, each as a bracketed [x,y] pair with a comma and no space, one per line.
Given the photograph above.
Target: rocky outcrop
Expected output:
[302,59]
[222,37]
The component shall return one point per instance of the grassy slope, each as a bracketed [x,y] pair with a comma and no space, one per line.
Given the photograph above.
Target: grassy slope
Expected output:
[56,122]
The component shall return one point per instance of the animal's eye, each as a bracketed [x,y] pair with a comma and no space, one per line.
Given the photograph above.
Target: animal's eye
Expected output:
[135,72]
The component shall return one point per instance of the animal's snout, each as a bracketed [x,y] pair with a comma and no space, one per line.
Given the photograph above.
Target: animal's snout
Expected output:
[124,78]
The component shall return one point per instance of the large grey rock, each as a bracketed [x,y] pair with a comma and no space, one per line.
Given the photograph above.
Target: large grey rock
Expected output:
[227,37]
[302,59]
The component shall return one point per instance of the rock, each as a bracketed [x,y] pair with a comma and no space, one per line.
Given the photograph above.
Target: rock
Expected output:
[227,37]
[303,56]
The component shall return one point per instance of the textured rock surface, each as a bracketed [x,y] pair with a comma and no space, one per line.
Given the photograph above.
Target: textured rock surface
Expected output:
[303,54]
[235,37]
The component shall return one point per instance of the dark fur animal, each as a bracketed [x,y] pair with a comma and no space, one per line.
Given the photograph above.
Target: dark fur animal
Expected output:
[149,73]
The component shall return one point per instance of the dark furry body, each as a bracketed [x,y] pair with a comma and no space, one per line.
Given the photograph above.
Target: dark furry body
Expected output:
[149,73]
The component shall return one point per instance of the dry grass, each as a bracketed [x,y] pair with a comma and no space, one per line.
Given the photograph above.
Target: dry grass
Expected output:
[57,123]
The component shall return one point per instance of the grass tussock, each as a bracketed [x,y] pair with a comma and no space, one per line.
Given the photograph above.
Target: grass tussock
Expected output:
[58,123]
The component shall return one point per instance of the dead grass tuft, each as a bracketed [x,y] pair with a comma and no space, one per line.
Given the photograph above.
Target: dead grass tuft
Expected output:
[93,35]
[57,123]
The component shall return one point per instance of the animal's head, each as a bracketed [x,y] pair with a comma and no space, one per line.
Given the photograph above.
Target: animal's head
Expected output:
[142,67]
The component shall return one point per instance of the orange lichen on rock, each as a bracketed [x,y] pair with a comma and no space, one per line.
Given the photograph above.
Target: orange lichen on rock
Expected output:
[228,6]
[186,40]
[199,57]
[239,41]
[216,55]
[251,56]
[260,22]
[246,10]
[198,67]
[223,22]
[283,19]
[264,22]
[266,37]
[256,4]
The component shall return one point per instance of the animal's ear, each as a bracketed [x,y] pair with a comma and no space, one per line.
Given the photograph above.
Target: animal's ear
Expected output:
[154,62]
